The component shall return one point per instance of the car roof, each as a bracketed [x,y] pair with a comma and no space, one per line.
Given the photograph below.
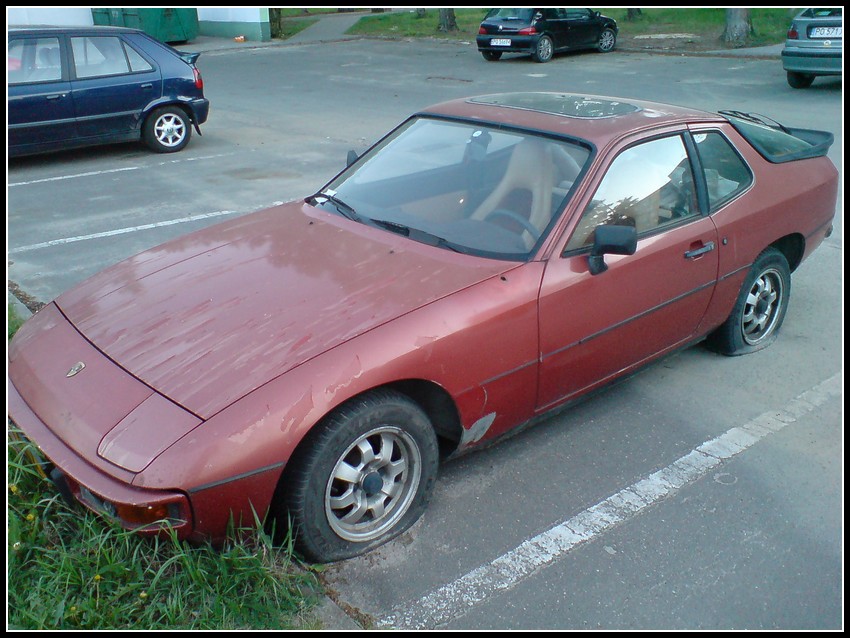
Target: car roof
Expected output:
[54,28]
[597,119]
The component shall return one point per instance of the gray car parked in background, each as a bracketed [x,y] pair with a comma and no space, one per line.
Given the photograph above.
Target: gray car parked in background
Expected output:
[813,46]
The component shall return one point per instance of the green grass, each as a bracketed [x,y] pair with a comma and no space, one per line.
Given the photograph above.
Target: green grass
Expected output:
[13,321]
[770,25]
[69,569]
[405,24]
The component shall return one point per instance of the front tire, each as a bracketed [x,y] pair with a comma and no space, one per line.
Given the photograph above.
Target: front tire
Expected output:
[759,310]
[607,41]
[544,50]
[365,477]
[167,130]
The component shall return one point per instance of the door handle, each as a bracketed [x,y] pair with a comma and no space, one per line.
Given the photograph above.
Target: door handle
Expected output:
[55,96]
[696,252]
[147,85]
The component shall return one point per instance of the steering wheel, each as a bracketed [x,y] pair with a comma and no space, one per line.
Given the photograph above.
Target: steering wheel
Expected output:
[522,221]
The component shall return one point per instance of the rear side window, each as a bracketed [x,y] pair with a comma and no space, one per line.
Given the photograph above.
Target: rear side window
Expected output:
[725,172]
[97,56]
[34,60]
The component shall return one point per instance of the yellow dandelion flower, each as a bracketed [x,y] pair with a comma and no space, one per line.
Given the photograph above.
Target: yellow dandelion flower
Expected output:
[143,595]
[13,489]
[30,517]
[98,578]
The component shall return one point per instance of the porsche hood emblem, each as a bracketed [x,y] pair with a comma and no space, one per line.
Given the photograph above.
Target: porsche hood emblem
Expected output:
[75,369]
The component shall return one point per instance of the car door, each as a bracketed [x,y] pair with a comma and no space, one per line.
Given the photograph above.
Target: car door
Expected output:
[596,327]
[112,86]
[582,28]
[556,26]
[40,105]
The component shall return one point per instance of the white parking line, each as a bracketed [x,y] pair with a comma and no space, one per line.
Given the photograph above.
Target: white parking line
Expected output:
[119,231]
[116,170]
[503,573]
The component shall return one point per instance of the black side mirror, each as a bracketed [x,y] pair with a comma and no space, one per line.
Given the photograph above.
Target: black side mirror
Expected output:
[610,240]
[351,158]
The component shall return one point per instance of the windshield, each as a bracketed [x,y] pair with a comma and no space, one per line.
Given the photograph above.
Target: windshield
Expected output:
[460,186]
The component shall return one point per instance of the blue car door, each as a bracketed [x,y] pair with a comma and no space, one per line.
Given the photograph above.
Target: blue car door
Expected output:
[40,105]
[112,86]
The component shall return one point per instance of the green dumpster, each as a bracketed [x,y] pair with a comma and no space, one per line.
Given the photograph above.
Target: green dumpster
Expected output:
[166,25]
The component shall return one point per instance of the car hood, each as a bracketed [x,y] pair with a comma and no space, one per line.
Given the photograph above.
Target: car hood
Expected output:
[207,318]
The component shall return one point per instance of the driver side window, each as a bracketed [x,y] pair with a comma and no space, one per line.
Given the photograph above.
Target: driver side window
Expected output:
[648,186]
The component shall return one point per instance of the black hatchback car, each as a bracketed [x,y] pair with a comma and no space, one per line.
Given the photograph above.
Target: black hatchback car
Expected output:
[81,86]
[544,32]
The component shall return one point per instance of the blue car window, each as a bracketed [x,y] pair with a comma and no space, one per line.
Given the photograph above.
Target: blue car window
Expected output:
[137,62]
[34,60]
[99,56]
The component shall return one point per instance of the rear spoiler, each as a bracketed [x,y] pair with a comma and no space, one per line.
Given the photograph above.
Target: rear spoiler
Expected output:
[817,143]
[189,58]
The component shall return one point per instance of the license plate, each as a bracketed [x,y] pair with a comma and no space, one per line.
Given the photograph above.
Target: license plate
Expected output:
[500,42]
[825,32]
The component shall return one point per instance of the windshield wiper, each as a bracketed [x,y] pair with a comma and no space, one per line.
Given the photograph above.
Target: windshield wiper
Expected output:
[342,208]
[417,234]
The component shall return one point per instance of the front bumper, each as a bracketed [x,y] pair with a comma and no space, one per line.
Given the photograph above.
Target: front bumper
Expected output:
[99,492]
[813,62]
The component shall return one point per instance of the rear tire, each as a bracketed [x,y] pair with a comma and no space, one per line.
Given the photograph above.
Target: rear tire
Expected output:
[544,50]
[365,476]
[167,130]
[759,310]
[800,80]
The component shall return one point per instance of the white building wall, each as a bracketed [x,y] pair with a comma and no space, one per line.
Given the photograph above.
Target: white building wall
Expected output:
[49,15]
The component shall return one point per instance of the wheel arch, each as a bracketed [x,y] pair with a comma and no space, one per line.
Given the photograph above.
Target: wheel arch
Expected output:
[793,247]
[432,398]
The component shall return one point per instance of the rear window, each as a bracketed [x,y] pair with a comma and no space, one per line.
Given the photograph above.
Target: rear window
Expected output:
[523,15]
[777,143]
[822,13]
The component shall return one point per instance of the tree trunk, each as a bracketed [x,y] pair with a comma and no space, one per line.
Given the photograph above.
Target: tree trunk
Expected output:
[448,22]
[275,22]
[739,27]
[633,14]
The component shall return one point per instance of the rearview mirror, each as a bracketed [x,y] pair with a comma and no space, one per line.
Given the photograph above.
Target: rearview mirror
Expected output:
[610,240]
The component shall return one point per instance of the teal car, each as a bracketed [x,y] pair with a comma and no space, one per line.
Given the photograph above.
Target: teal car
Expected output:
[813,46]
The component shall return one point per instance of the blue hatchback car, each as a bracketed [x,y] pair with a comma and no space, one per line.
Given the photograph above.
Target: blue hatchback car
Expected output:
[81,86]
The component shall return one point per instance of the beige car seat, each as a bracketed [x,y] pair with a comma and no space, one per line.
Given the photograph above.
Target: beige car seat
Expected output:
[531,167]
